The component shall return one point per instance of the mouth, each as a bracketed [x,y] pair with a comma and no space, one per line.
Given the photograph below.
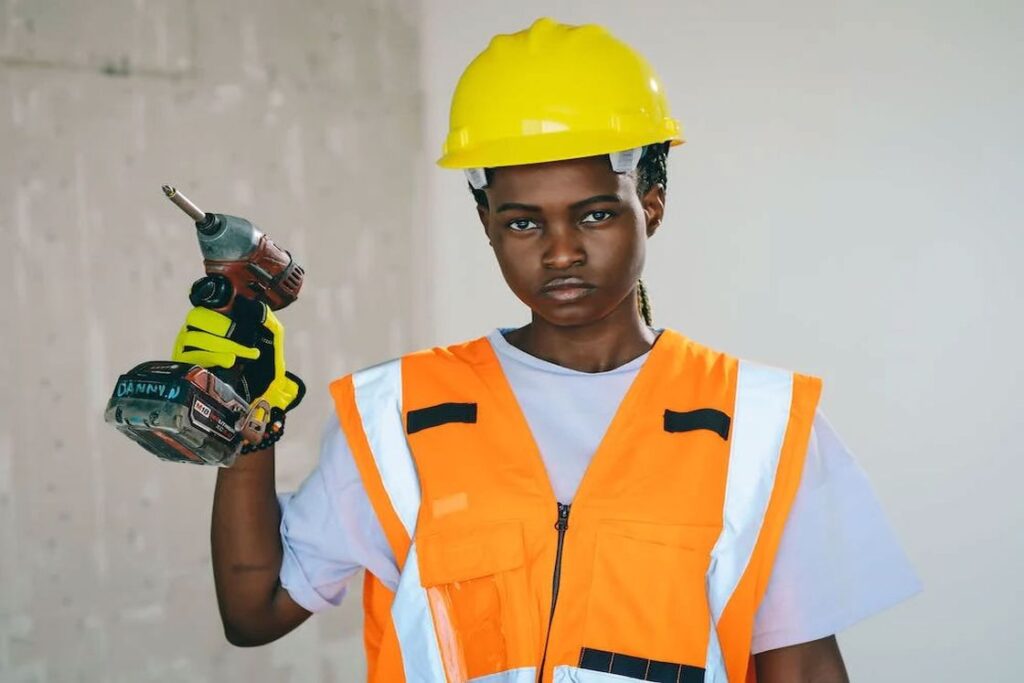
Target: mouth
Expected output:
[567,288]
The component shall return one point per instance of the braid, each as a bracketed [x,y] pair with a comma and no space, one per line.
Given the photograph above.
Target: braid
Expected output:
[651,171]
[644,303]
[653,168]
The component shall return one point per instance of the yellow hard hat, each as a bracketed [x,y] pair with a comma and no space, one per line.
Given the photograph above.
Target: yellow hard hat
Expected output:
[551,92]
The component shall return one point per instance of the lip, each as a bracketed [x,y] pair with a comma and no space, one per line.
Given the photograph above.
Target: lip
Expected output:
[567,288]
[566,282]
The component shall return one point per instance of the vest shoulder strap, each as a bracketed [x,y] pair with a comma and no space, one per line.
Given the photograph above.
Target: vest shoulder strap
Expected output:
[774,413]
[366,401]
[371,411]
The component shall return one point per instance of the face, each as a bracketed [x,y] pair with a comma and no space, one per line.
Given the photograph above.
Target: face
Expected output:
[570,236]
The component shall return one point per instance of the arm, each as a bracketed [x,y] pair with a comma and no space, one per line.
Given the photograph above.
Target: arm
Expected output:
[838,562]
[818,661]
[247,554]
[245,528]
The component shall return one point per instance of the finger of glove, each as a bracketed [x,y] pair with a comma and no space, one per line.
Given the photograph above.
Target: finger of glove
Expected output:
[208,320]
[206,359]
[281,392]
[289,391]
[271,322]
[204,341]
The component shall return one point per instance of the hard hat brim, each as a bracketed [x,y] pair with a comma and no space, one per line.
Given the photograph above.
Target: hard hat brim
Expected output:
[547,147]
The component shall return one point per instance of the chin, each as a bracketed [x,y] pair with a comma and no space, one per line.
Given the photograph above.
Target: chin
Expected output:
[569,315]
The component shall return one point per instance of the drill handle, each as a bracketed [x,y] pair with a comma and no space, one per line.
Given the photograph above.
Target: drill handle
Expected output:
[247,316]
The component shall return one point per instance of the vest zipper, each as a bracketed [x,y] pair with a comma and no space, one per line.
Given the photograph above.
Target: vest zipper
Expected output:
[561,524]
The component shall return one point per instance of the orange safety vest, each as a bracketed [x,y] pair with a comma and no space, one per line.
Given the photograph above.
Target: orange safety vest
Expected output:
[656,570]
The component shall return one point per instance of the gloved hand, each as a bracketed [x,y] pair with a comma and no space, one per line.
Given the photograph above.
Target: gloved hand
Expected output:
[251,341]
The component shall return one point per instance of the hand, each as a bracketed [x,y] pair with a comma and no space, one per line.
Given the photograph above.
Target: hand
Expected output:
[250,342]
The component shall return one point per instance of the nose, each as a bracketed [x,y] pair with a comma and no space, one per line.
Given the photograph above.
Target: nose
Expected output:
[564,248]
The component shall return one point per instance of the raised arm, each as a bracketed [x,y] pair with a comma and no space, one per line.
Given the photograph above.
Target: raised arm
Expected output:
[245,529]
[247,554]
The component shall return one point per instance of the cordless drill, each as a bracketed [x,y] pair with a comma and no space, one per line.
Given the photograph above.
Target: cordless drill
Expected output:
[186,413]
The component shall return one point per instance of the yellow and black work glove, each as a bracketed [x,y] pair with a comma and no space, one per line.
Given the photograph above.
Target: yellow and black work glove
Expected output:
[249,344]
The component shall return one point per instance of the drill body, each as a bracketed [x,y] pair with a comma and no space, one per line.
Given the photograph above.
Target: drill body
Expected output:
[242,261]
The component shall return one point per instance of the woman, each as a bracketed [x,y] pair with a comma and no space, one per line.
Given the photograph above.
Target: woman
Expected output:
[586,497]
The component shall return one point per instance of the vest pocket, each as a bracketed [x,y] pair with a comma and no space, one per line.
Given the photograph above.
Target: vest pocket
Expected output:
[477,588]
[647,596]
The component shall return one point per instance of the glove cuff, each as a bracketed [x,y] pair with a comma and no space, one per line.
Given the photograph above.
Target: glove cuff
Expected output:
[300,394]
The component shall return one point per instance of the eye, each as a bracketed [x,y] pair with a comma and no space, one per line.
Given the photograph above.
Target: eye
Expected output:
[597,217]
[521,224]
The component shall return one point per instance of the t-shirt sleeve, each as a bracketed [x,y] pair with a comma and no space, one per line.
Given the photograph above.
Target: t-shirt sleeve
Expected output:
[329,530]
[839,560]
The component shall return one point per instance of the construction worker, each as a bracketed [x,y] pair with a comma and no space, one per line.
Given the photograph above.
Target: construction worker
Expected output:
[584,498]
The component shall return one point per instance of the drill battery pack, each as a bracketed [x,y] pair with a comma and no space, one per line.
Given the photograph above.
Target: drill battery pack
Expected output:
[179,412]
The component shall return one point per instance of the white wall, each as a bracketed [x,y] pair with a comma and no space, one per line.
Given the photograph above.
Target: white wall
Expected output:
[849,204]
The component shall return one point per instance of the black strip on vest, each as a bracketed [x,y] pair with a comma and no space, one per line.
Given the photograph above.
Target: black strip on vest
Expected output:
[705,418]
[639,668]
[442,413]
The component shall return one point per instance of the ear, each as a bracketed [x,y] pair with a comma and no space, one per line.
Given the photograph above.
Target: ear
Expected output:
[653,204]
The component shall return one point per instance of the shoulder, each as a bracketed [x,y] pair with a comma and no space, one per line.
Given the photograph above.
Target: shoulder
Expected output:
[839,560]
[712,358]
[471,351]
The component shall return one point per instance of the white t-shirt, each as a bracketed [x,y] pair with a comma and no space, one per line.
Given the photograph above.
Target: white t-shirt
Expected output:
[838,561]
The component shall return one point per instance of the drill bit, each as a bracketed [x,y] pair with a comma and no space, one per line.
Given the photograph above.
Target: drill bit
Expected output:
[184,204]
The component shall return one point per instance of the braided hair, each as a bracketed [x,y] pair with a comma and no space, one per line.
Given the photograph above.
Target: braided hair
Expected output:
[650,171]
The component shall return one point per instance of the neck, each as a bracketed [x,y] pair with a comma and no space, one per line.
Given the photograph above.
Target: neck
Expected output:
[601,345]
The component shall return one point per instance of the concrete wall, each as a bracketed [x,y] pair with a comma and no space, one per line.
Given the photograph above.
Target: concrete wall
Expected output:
[848,204]
[305,118]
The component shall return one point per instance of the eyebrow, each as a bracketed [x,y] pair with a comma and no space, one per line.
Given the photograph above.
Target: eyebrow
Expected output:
[513,206]
[596,199]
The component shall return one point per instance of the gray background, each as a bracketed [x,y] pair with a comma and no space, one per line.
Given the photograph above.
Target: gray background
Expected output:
[848,204]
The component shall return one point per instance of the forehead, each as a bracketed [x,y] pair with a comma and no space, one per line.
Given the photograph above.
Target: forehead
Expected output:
[557,181]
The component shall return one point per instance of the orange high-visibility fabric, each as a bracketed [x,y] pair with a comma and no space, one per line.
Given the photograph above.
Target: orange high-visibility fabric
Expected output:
[645,518]
[384,662]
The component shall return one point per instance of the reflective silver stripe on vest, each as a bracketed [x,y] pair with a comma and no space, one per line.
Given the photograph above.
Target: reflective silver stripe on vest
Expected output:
[570,674]
[760,418]
[526,674]
[379,401]
[378,394]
